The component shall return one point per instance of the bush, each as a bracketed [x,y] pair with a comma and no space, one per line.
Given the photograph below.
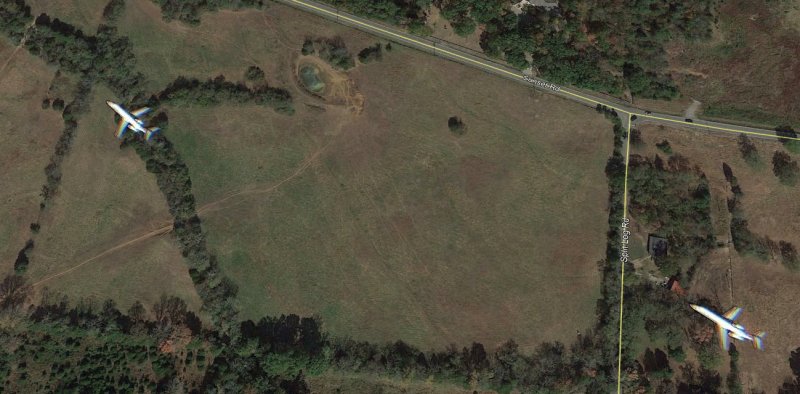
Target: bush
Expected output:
[785,168]
[21,263]
[113,10]
[665,147]
[58,104]
[748,150]
[456,126]
[254,73]
[709,355]
[308,47]
[335,53]
[370,54]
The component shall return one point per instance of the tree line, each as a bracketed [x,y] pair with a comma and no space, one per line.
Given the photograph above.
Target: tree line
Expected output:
[747,242]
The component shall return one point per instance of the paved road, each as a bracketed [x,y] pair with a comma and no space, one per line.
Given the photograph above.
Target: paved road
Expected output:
[465,56]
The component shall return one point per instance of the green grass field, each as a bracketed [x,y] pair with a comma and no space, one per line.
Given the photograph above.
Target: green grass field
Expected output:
[385,224]
[83,14]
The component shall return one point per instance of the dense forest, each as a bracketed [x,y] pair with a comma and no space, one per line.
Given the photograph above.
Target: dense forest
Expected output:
[611,47]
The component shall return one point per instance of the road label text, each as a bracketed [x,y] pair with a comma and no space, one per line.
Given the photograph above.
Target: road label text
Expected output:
[541,84]
[623,252]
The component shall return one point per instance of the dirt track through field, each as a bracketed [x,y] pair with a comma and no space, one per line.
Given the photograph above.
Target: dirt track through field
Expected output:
[14,52]
[209,207]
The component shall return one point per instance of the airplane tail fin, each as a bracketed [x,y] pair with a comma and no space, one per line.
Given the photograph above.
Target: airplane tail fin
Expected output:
[758,340]
[150,133]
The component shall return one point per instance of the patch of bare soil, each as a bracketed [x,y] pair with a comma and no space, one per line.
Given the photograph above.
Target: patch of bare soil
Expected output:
[339,89]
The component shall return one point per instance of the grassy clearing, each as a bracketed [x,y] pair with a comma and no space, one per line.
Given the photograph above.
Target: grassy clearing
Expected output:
[107,198]
[28,133]
[362,383]
[386,224]
[750,72]
[84,14]
[767,292]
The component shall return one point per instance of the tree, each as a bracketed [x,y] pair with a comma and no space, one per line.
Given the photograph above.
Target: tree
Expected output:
[370,54]
[308,47]
[113,10]
[58,104]
[733,381]
[14,292]
[748,150]
[21,263]
[456,126]
[169,310]
[785,168]
[137,312]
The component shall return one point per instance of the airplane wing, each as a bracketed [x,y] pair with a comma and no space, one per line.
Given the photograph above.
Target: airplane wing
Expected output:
[724,340]
[733,313]
[141,111]
[123,125]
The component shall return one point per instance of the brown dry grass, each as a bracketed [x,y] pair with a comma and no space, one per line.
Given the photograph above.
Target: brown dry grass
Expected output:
[753,66]
[28,133]
[767,292]
[396,228]
[106,198]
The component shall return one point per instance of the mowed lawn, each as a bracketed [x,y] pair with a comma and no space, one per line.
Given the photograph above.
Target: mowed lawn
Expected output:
[107,199]
[29,134]
[766,290]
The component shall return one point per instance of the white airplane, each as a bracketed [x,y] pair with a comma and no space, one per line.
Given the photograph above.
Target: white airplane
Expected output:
[131,121]
[725,327]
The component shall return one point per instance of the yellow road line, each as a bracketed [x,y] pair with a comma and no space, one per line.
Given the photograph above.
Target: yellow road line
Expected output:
[683,122]
[440,50]
[622,264]
[518,75]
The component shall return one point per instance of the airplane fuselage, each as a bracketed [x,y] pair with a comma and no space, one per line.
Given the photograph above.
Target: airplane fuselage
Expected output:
[133,123]
[735,330]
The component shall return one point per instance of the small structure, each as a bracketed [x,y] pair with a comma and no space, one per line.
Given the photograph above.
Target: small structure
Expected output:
[656,246]
[675,286]
[519,6]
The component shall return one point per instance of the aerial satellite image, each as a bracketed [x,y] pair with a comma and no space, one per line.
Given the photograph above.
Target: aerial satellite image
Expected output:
[400,196]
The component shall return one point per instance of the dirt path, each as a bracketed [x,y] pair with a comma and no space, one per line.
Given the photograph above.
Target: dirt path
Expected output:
[149,235]
[14,52]
[209,207]
[691,111]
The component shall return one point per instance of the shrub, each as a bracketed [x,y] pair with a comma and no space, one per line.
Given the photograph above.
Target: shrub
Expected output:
[254,73]
[370,54]
[748,150]
[785,168]
[456,126]
[308,47]
[58,104]
[665,147]
[334,52]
